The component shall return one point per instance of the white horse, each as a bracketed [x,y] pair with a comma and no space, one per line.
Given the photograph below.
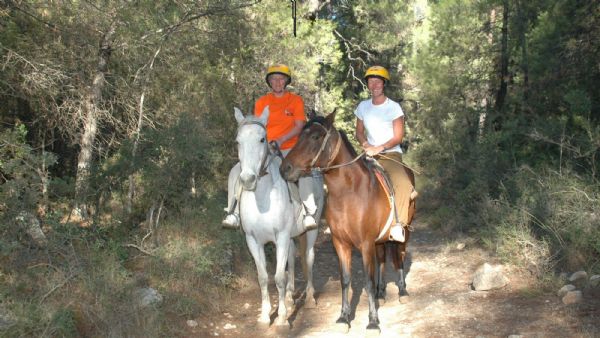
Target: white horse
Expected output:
[269,214]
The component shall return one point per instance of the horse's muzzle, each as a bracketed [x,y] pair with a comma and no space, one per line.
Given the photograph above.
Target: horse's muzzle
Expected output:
[248,181]
[288,171]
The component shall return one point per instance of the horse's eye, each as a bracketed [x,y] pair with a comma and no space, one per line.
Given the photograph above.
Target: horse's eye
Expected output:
[262,140]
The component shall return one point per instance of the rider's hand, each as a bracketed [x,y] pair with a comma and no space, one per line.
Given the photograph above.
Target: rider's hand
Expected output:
[373,150]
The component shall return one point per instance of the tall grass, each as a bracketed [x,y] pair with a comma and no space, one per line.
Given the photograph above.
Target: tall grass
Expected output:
[84,282]
[543,220]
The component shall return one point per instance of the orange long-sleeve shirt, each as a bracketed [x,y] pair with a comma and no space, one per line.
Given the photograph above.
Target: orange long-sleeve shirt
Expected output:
[283,113]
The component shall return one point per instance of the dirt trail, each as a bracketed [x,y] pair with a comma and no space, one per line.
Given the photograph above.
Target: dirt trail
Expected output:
[440,303]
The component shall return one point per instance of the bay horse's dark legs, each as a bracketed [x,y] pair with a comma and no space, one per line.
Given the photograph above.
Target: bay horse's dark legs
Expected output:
[380,250]
[398,259]
[344,253]
[368,256]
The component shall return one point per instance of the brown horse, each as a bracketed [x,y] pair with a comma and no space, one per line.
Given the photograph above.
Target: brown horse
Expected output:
[357,208]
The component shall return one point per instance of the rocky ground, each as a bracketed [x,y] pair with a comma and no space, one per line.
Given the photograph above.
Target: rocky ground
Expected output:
[441,301]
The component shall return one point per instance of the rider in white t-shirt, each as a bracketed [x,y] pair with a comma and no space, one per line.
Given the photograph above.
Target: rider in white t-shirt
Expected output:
[380,129]
[378,121]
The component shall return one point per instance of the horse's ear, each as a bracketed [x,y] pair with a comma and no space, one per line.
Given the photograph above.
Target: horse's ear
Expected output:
[330,119]
[239,116]
[264,116]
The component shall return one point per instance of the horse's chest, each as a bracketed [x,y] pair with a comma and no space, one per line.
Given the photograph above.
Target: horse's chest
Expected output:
[264,205]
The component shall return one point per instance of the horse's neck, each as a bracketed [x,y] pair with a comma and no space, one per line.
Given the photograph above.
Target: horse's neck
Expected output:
[356,172]
[274,177]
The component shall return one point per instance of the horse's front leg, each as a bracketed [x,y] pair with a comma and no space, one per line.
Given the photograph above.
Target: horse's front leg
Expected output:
[258,253]
[283,247]
[368,256]
[380,250]
[344,253]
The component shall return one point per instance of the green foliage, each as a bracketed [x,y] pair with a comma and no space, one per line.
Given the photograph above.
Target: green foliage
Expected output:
[63,324]
[524,178]
[539,217]
[23,173]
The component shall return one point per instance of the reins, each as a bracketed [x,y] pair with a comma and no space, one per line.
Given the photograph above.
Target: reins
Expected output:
[334,153]
[401,163]
[337,149]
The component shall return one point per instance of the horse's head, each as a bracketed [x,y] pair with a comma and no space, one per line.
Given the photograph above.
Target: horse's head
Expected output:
[253,148]
[312,150]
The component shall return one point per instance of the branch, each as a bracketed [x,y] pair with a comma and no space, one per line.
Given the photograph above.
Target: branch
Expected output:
[56,287]
[350,46]
[11,4]
[190,17]
[129,245]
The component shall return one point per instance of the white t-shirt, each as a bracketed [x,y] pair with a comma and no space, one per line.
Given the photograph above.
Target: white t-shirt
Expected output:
[378,121]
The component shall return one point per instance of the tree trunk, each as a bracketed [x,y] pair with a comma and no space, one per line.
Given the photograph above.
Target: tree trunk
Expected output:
[524,53]
[485,103]
[138,131]
[90,124]
[502,90]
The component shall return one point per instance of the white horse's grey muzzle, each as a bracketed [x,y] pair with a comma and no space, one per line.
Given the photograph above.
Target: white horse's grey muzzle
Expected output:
[248,181]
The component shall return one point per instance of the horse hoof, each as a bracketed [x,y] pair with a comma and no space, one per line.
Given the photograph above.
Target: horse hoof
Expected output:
[373,330]
[342,327]
[281,324]
[262,326]
[264,320]
[310,304]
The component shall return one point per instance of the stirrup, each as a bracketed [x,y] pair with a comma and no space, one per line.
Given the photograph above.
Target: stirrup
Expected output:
[397,233]
[231,221]
[309,223]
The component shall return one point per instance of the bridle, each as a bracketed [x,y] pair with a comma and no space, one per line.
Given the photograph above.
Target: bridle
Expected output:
[333,155]
[264,164]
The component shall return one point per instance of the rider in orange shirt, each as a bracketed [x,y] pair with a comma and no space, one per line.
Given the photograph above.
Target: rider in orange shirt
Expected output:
[286,120]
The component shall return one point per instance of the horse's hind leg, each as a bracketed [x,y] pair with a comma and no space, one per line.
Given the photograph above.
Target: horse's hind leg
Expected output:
[380,250]
[291,264]
[398,259]
[308,252]
[258,253]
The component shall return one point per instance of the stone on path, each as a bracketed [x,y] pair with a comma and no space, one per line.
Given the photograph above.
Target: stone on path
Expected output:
[563,291]
[595,281]
[578,276]
[572,297]
[147,296]
[488,278]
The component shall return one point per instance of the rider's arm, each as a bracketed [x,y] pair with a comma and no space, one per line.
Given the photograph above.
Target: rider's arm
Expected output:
[296,130]
[360,133]
[398,124]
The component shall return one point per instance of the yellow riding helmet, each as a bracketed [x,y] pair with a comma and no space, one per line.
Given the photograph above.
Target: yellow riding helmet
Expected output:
[377,71]
[279,69]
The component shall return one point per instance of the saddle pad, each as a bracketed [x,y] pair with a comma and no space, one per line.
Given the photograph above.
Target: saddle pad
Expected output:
[383,182]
